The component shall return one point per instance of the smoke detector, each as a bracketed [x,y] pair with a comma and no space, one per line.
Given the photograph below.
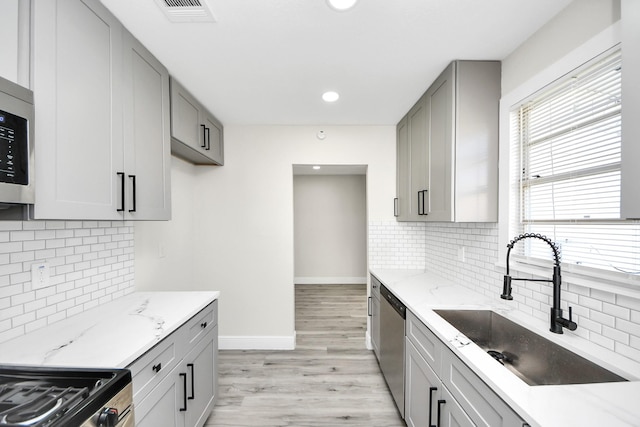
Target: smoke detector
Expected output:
[186,10]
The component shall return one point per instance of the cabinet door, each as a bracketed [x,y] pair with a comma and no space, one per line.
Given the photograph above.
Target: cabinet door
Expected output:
[185,118]
[162,406]
[402,208]
[375,325]
[77,70]
[422,390]
[440,98]
[213,139]
[451,413]
[419,158]
[146,134]
[201,380]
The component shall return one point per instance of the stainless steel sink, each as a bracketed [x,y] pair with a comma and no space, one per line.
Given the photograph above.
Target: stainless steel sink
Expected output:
[536,360]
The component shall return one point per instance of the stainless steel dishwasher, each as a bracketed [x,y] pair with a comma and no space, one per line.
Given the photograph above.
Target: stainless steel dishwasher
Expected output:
[392,317]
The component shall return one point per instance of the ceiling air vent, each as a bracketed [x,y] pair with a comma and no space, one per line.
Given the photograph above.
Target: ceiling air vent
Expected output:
[186,10]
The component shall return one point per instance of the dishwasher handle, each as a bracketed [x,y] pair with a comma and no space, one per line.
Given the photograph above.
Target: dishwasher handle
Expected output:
[397,305]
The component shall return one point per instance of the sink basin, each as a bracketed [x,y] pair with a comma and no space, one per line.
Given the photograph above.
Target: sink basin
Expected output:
[533,358]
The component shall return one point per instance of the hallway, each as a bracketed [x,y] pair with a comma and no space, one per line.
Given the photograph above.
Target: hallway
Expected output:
[330,379]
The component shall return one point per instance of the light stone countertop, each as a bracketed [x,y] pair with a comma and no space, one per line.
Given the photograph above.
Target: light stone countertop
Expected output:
[112,335]
[606,404]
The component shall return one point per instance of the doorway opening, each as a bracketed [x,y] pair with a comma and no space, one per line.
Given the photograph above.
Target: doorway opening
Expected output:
[330,255]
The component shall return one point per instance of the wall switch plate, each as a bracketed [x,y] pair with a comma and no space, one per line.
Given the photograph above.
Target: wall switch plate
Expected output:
[40,275]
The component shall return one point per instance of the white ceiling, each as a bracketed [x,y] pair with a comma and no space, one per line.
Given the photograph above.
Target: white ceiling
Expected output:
[269,61]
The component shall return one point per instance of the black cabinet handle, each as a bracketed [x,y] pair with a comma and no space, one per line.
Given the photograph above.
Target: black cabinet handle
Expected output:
[121,175]
[184,383]
[208,147]
[133,183]
[421,197]
[369,306]
[431,390]
[395,206]
[193,391]
[203,325]
[204,141]
[157,368]
[440,403]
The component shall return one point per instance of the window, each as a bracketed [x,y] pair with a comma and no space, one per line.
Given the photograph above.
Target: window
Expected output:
[566,141]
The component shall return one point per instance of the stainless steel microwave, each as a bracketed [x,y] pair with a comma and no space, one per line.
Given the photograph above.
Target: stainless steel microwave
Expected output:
[16,144]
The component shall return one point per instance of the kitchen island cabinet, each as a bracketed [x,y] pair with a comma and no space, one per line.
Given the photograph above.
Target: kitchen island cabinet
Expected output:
[196,135]
[102,117]
[375,315]
[447,148]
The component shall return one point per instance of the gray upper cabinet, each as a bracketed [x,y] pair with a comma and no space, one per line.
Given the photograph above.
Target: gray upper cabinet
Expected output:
[102,114]
[147,137]
[452,135]
[196,135]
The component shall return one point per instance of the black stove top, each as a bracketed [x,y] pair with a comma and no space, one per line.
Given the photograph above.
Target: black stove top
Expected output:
[52,397]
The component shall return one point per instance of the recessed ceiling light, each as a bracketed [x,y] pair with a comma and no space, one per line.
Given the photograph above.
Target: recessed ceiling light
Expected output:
[330,96]
[316,167]
[342,4]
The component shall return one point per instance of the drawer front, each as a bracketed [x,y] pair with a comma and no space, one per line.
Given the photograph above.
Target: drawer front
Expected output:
[427,344]
[480,403]
[153,366]
[375,287]
[202,323]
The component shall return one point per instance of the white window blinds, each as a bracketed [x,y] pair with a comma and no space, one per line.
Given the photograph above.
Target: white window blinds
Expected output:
[567,140]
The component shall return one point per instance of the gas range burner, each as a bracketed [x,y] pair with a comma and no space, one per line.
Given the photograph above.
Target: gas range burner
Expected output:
[32,403]
[48,397]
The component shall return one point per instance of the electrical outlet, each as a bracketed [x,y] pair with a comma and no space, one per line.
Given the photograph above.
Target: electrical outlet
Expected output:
[39,275]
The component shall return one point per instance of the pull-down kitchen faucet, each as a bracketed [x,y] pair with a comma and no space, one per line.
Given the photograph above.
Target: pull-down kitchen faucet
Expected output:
[557,321]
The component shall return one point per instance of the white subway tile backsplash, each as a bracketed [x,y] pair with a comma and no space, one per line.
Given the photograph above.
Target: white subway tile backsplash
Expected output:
[90,263]
[609,320]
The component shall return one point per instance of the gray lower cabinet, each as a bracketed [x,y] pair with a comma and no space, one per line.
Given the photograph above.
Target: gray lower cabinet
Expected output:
[196,135]
[175,383]
[453,394]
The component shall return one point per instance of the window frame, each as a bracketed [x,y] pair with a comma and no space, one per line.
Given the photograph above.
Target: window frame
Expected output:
[610,281]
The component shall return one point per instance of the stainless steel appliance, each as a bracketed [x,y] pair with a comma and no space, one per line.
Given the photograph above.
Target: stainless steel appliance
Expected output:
[16,144]
[64,397]
[392,318]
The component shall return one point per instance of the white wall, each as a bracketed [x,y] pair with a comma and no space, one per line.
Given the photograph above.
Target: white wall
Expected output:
[330,229]
[241,228]
[576,24]
[164,250]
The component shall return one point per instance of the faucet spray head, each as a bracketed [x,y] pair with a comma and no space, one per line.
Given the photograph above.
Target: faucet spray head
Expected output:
[506,288]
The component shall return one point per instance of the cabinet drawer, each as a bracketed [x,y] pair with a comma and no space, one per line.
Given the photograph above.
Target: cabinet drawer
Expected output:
[427,344]
[153,366]
[202,322]
[480,403]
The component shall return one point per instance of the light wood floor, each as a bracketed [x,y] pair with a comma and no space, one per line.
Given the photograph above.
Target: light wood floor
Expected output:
[330,379]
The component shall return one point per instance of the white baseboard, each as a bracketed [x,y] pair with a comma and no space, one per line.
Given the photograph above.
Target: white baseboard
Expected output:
[330,280]
[257,342]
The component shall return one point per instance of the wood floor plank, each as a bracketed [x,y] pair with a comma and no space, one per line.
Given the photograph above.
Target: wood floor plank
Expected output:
[330,379]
